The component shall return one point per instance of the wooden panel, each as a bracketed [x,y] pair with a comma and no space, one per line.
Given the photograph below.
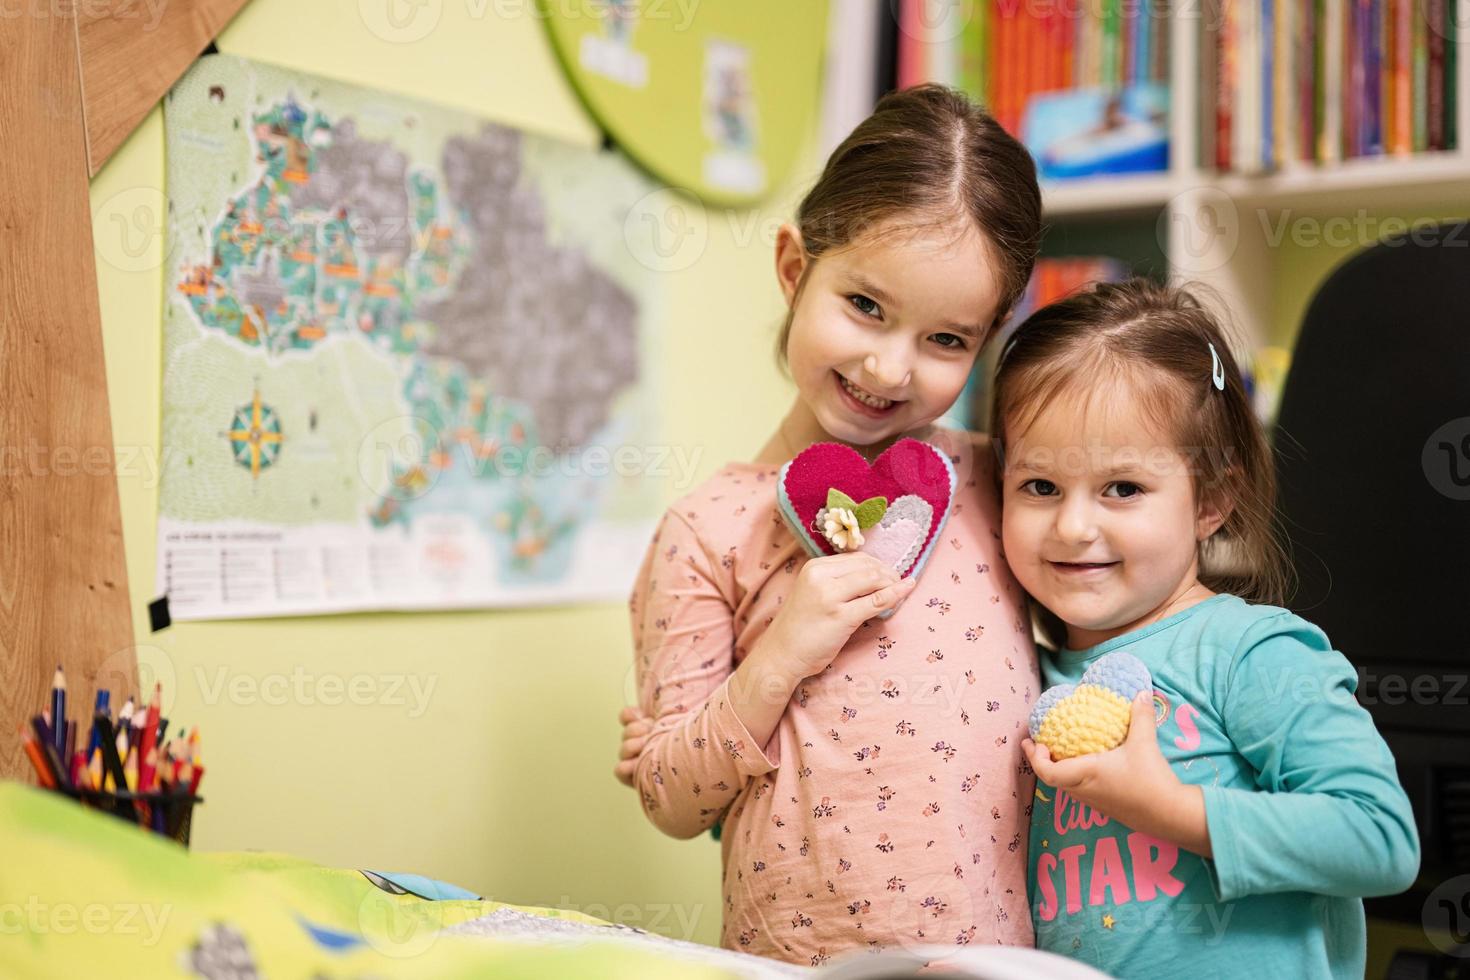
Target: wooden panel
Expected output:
[63,585]
[132,53]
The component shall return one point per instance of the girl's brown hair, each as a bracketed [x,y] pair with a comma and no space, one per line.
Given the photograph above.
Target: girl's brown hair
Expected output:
[1155,341]
[927,154]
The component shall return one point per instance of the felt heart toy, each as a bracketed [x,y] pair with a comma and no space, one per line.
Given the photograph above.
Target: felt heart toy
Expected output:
[893,509]
[1092,715]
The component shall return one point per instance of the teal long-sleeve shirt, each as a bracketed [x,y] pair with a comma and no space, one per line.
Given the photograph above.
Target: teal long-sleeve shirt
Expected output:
[1302,798]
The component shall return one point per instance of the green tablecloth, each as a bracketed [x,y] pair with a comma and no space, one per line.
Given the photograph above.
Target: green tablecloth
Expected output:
[84,894]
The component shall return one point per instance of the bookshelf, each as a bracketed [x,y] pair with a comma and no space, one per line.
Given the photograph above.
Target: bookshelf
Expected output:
[1238,264]
[1220,229]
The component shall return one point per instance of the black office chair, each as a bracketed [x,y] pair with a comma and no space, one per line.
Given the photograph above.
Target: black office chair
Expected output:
[1373,452]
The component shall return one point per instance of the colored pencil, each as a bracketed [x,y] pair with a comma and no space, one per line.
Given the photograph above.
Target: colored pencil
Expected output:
[58,709]
[38,762]
[147,757]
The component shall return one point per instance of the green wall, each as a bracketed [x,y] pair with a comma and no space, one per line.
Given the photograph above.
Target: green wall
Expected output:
[1313,245]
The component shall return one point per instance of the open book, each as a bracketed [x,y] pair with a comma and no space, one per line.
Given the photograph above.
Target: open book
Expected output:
[977,962]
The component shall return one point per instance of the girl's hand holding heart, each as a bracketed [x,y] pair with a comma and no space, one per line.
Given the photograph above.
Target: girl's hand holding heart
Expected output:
[1132,784]
[833,595]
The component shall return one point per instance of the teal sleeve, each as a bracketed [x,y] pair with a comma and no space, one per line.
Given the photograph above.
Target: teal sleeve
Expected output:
[1329,816]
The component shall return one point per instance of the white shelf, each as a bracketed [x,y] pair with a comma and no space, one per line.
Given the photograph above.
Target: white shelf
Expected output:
[1108,195]
[1363,182]
[1425,179]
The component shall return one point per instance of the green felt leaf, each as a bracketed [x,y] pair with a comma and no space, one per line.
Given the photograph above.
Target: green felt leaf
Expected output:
[870,511]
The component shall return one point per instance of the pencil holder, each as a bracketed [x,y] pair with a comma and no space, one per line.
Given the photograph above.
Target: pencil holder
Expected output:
[166,812]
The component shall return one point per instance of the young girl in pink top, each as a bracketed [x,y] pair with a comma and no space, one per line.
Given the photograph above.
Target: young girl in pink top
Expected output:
[866,773]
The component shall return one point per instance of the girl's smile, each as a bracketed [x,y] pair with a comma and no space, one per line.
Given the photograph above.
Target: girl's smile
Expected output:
[1077,569]
[865,402]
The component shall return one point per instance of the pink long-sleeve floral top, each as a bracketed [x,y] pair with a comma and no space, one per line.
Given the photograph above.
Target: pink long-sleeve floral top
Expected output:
[890,805]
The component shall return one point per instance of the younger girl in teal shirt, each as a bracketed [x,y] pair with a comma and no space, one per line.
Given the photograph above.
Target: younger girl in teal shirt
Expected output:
[1253,804]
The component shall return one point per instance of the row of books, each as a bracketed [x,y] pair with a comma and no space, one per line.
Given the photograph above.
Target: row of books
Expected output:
[1319,81]
[1004,52]
[1057,278]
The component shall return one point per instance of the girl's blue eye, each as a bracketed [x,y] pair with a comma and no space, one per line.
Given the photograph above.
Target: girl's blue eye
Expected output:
[950,341]
[1042,488]
[863,304]
[1125,489]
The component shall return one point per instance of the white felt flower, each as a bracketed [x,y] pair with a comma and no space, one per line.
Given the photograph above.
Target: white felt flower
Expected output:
[840,526]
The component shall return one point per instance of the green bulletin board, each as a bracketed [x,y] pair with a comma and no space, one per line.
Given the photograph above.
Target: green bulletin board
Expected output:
[710,96]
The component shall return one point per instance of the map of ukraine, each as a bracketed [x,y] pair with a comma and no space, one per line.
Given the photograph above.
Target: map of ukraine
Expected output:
[506,337]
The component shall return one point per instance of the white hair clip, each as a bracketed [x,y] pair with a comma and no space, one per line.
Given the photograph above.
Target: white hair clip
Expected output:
[1217,370]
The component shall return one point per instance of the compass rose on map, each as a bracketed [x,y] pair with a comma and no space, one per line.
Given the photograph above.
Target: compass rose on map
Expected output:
[255,435]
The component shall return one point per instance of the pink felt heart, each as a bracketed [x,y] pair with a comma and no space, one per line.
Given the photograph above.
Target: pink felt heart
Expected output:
[908,467]
[895,544]
[899,537]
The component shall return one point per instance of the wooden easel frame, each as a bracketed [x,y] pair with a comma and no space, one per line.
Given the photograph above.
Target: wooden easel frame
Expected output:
[76,77]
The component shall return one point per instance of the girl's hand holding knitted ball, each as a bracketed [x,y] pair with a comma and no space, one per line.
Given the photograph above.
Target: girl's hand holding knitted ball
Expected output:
[1132,783]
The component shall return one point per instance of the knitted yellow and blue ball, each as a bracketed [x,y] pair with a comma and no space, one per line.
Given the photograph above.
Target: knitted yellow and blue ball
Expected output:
[1092,715]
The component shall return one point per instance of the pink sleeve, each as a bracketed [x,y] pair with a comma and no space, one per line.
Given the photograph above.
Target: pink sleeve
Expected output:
[699,754]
